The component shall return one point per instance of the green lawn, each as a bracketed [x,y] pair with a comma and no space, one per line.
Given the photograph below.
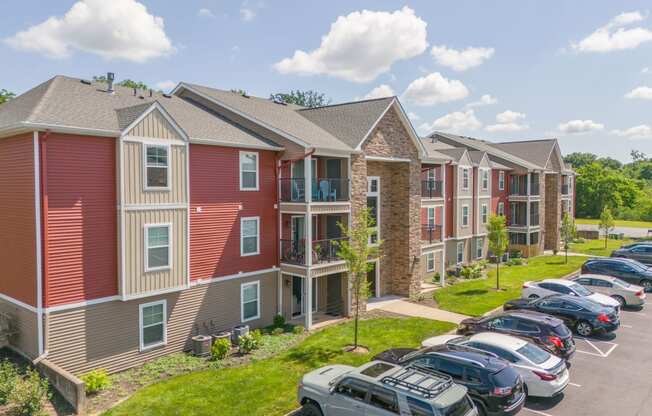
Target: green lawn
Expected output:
[480,296]
[619,223]
[596,247]
[268,387]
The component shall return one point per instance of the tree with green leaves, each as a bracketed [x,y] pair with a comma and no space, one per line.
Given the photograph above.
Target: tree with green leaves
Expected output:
[579,159]
[606,224]
[239,91]
[356,251]
[6,96]
[309,98]
[638,156]
[498,241]
[568,232]
[139,85]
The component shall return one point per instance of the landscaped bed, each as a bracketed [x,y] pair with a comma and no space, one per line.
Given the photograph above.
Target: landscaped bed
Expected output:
[478,297]
[596,247]
[268,386]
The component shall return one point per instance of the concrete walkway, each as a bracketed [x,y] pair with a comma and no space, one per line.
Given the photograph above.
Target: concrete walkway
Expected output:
[403,307]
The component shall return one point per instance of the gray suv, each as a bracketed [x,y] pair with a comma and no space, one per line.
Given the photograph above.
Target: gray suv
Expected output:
[382,389]
[637,251]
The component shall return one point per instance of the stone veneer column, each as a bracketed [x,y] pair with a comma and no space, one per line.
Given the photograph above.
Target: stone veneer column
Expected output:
[552,213]
[358,202]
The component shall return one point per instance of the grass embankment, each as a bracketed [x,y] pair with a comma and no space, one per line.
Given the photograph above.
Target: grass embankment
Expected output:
[596,247]
[619,223]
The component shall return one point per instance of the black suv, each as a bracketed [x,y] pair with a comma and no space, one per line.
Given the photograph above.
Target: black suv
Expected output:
[637,251]
[628,270]
[583,315]
[544,330]
[493,384]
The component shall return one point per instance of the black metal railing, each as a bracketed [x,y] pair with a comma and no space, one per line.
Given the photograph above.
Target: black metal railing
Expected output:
[293,251]
[293,189]
[431,189]
[431,233]
[325,251]
[517,221]
[564,189]
[330,190]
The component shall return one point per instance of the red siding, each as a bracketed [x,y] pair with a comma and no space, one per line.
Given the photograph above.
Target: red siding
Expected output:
[451,179]
[80,236]
[17,222]
[496,194]
[215,231]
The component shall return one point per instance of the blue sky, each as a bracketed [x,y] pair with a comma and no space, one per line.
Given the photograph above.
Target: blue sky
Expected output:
[550,69]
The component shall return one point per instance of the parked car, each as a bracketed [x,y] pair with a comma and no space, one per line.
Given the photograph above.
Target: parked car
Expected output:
[494,385]
[534,290]
[543,330]
[543,374]
[380,389]
[582,315]
[628,270]
[626,294]
[641,251]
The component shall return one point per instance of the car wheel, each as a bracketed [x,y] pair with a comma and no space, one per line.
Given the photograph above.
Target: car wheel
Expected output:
[480,407]
[584,328]
[533,296]
[311,409]
[620,300]
[525,390]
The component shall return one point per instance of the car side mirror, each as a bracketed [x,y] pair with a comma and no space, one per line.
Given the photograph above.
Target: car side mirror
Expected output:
[332,389]
[573,294]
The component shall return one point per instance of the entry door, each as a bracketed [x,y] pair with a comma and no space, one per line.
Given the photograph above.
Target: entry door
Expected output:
[297,296]
[298,229]
[334,295]
[371,279]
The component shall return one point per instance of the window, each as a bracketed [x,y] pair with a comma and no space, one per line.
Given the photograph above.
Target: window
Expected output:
[357,390]
[418,407]
[250,301]
[472,375]
[248,171]
[465,178]
[384,399]
[460,251]
[432,175]
[373,199]
[501,209]
[465,215]
[431,216]
[517,238]
[534,238]
[484,213]
[479,243]
[249,236]
[451,368]
[157,172]
[157,247]
[152,324]
[430,262]
[485,179]
[525,326]
[501,180]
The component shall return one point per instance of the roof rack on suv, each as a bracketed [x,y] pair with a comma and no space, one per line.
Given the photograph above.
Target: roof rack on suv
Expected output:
[421,380]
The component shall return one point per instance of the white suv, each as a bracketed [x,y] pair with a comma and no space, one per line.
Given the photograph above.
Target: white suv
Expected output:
[382,389]
[535,290]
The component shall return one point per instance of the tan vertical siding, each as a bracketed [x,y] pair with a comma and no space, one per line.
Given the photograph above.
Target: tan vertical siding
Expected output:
[26,325]
[106,335]
[133,176]
[156,126]
[137,281]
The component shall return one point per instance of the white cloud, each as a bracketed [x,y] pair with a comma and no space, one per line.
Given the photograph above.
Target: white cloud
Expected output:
[506,127]
[203,12]
[456,122]
[362,45]
[434,89]
[247,14]
[461,60]
[486,99]
[644,93]
[508,121]
[413,117]
[380,91]
[509,116]
[166,85]
[119,29]
[579,126]
[645,70]
[614,36]
[638,132]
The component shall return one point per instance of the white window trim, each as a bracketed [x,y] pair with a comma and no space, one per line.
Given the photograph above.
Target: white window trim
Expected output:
[431,174]
[478,248]
[242,289]
[484,173]
[430,257]
[501,180]
[465,216]
[165,325]
[460,244]
[376,194]
[257,252]
[167,148]
[500,211]
[484,213]
[431,218]
[465,173]
[146,228]
[241,171]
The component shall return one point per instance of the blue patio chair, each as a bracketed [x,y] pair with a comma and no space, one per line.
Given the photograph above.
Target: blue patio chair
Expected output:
[328,193]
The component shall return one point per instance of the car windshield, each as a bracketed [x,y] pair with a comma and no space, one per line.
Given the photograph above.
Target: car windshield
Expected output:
[561,330]
[581,290]
[533,353]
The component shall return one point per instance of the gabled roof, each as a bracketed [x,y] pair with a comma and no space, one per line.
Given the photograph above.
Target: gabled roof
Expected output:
[476,157]
[535,151]
[455,154]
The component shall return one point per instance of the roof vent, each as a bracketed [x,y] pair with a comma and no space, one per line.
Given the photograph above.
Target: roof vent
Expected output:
[85,81]
[110,76]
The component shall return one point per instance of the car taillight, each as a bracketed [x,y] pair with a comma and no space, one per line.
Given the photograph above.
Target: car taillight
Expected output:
[640,294]
[545,376]
[603,318]
[556,341]
[502,391]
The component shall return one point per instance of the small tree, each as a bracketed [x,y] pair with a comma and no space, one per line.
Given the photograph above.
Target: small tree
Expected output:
[607,223]
[498,241]
[356,252]
[307,98]
[6,95]
[568,232]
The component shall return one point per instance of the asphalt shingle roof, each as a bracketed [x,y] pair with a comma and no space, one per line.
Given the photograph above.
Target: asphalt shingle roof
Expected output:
[535,151]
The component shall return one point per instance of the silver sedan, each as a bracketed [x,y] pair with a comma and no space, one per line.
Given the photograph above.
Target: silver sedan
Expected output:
[625,293]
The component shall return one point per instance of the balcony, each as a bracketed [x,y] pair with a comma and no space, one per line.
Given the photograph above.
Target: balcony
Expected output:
[322,190]
[431,189]
[293,252]
[431,234]
[517,222]
[323,251]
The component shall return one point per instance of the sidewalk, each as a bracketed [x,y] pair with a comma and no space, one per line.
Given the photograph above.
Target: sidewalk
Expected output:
[404,307]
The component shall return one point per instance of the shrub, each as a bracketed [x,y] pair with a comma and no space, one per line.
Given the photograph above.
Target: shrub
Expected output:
[246,344]
[472,271]
[483,264]
[277,331]
[96,380]
[29,394]
[8,378]
[279,321]
[518,261]
[220,348]
[299,329]
[257,335]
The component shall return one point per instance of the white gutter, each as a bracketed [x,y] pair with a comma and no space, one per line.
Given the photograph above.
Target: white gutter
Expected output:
[39,253]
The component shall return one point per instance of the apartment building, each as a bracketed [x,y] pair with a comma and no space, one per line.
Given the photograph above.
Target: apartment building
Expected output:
[133,220]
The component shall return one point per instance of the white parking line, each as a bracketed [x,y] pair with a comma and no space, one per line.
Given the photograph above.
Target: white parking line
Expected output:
[599,351]
[626,326]
[574,384]
[537,412]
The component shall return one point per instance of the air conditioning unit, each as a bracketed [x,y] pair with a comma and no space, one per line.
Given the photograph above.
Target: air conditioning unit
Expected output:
[239,331]
[201,345]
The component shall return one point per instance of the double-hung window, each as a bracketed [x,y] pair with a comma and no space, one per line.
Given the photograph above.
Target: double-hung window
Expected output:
[250,301]
[431,217]
[250,236]
[485,179]
[373,204]
[430,262]
[484,213]
[157,246]
[249,177]
[479,243]
[501,180]
[153,324]
[501,209]
[157,168]
[465,179]
[465,215]
[460,251]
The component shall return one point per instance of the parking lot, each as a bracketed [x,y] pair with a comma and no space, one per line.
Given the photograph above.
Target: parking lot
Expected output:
[609,375]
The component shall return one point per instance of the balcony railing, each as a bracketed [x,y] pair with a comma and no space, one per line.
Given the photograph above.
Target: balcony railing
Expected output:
[322,190]
[325,251]
[517,222]
[431,189]
[431,233]
[564,189]
[293,252]
[517,191]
